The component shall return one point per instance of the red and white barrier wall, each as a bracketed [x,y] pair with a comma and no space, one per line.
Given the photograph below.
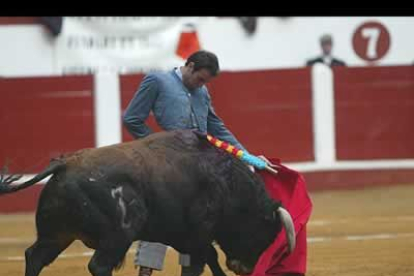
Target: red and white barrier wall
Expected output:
[342,128]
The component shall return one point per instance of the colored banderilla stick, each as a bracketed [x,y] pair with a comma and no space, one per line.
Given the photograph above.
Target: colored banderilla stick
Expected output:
[242,155]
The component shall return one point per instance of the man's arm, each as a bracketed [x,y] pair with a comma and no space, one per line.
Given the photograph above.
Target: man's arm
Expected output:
[140,106]
[216,127]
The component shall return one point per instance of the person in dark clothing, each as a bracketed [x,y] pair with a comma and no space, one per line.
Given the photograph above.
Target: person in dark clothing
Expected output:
[326,57]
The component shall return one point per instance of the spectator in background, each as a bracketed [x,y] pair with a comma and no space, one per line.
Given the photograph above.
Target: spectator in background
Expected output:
[326,57]
[249,24]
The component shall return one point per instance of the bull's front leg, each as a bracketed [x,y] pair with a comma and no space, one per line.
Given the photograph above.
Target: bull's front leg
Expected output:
[212,261]
[206,255]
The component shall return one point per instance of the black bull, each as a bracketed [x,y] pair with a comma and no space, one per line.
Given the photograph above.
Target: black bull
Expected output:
[171,187]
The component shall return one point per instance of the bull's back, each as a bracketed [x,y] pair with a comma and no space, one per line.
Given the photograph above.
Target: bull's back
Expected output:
[166,176]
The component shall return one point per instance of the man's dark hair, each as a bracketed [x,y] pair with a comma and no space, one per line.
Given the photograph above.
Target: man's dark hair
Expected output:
[204,59]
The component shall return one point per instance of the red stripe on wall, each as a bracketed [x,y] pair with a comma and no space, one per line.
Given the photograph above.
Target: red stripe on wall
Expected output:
[357,179]
[42,118]
[374,112]
[269,111]
[22,201]
[19,20]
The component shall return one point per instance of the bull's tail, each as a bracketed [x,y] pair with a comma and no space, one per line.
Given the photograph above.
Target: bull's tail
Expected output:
[5,182]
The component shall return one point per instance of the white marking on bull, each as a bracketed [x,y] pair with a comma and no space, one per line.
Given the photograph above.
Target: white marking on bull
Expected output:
[92,179]
[117,194]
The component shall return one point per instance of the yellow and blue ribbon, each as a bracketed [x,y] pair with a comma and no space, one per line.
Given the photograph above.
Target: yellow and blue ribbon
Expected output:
[242,155]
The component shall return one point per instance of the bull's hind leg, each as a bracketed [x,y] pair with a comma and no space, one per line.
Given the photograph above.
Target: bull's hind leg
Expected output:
[104,260]
[43,252]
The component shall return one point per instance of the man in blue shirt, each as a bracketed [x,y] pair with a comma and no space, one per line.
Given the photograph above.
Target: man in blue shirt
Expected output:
[178,99]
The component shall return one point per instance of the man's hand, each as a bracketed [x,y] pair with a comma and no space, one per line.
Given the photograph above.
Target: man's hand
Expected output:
[270,164]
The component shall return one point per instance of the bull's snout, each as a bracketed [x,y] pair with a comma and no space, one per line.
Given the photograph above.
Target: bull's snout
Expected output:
[238,268]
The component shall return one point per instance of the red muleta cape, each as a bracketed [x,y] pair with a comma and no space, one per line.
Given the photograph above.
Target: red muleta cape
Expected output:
[289,187]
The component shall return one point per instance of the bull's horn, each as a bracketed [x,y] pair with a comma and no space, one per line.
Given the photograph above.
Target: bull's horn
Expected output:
[289,228]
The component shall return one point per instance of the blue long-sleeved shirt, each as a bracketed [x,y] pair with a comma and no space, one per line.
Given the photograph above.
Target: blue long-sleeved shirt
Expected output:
[174,107]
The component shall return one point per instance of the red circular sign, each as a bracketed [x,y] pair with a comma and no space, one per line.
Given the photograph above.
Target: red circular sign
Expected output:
[371,41]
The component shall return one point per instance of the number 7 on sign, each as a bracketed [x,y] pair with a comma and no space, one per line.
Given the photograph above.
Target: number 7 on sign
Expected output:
[372,34]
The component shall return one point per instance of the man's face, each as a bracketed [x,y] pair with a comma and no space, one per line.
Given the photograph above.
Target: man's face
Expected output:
[327,48]
[195,79]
